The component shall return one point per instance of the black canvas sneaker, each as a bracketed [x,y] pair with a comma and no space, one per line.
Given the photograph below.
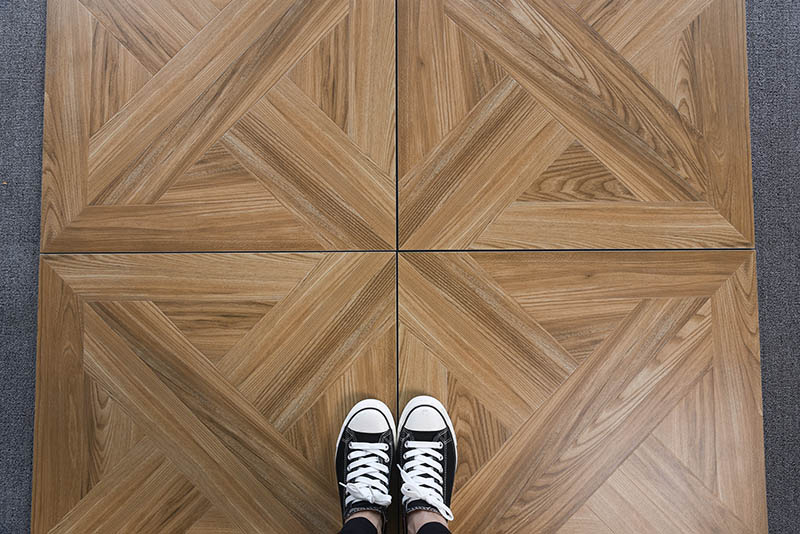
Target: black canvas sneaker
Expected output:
[364,453]
[427,457]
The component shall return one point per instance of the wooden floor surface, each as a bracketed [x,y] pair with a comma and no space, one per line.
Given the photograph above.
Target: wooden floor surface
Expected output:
[257,212]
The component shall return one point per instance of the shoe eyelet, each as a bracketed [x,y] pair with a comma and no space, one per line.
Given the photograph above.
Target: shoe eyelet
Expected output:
[439,445]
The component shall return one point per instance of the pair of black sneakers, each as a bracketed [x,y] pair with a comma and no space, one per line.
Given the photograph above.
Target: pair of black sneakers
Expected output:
[424,450]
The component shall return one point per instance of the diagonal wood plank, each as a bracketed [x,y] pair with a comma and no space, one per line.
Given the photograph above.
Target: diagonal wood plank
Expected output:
[549,468]
[287,31]
[593,92]
[221,408]
[315,170]
[451,304]
[184,439]
[153,31]
[313,335]
[441,75]
[494,141]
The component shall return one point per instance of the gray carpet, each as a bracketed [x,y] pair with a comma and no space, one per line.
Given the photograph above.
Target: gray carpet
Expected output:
[774,49]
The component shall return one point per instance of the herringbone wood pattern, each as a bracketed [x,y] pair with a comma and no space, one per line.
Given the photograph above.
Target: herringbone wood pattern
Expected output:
[592,392]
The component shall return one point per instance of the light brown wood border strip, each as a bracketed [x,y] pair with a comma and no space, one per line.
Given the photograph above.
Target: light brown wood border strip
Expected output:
[738,405]
[371,82]
[60,448]
[574,225]
[65,143]
[177,276]
[203,226]
[724,103]
[540,277]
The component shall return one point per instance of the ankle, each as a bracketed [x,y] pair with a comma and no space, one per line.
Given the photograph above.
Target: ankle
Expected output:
[418,518]
[371,516]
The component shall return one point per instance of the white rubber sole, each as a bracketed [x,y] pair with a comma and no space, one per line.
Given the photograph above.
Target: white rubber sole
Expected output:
[368,403]
[426,400]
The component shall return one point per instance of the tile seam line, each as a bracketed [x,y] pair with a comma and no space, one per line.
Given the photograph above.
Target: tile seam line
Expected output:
[395,251]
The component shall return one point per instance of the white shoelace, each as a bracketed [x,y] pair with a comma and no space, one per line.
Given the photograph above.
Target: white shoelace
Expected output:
[423,480]
[368,474]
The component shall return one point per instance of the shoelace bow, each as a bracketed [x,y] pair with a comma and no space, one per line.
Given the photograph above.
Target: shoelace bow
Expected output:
[368,474]
[423,480]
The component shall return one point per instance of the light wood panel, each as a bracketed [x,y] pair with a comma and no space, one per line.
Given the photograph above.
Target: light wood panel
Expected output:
[247,125]
[592,391]
[160,435]
[598,124]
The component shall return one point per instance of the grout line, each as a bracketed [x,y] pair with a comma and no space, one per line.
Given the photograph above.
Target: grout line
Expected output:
[504,250]
[399,511]
[398,251]
[388,251]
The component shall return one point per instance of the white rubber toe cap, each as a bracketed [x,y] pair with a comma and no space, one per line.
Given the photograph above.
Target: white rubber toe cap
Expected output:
[425,419]
[369,420]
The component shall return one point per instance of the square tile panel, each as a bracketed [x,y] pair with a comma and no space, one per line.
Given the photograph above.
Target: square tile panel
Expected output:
[182,392]
[614,392]
[542,124]
[218,125]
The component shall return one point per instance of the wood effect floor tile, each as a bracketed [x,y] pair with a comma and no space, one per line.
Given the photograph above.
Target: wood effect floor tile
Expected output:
[166,435]
[638,433]
[590,125]
[154,143]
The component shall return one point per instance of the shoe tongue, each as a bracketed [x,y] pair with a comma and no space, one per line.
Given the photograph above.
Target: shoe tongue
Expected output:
[428,435]
[366,437]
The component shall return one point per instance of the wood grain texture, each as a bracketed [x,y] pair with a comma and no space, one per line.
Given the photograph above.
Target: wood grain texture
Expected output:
[133,159]
[632,83]
[301,226]
[203,430]
[630,440]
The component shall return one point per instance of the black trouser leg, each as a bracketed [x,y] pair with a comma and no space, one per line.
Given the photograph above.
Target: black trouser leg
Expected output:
[433,528]
[359,525]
